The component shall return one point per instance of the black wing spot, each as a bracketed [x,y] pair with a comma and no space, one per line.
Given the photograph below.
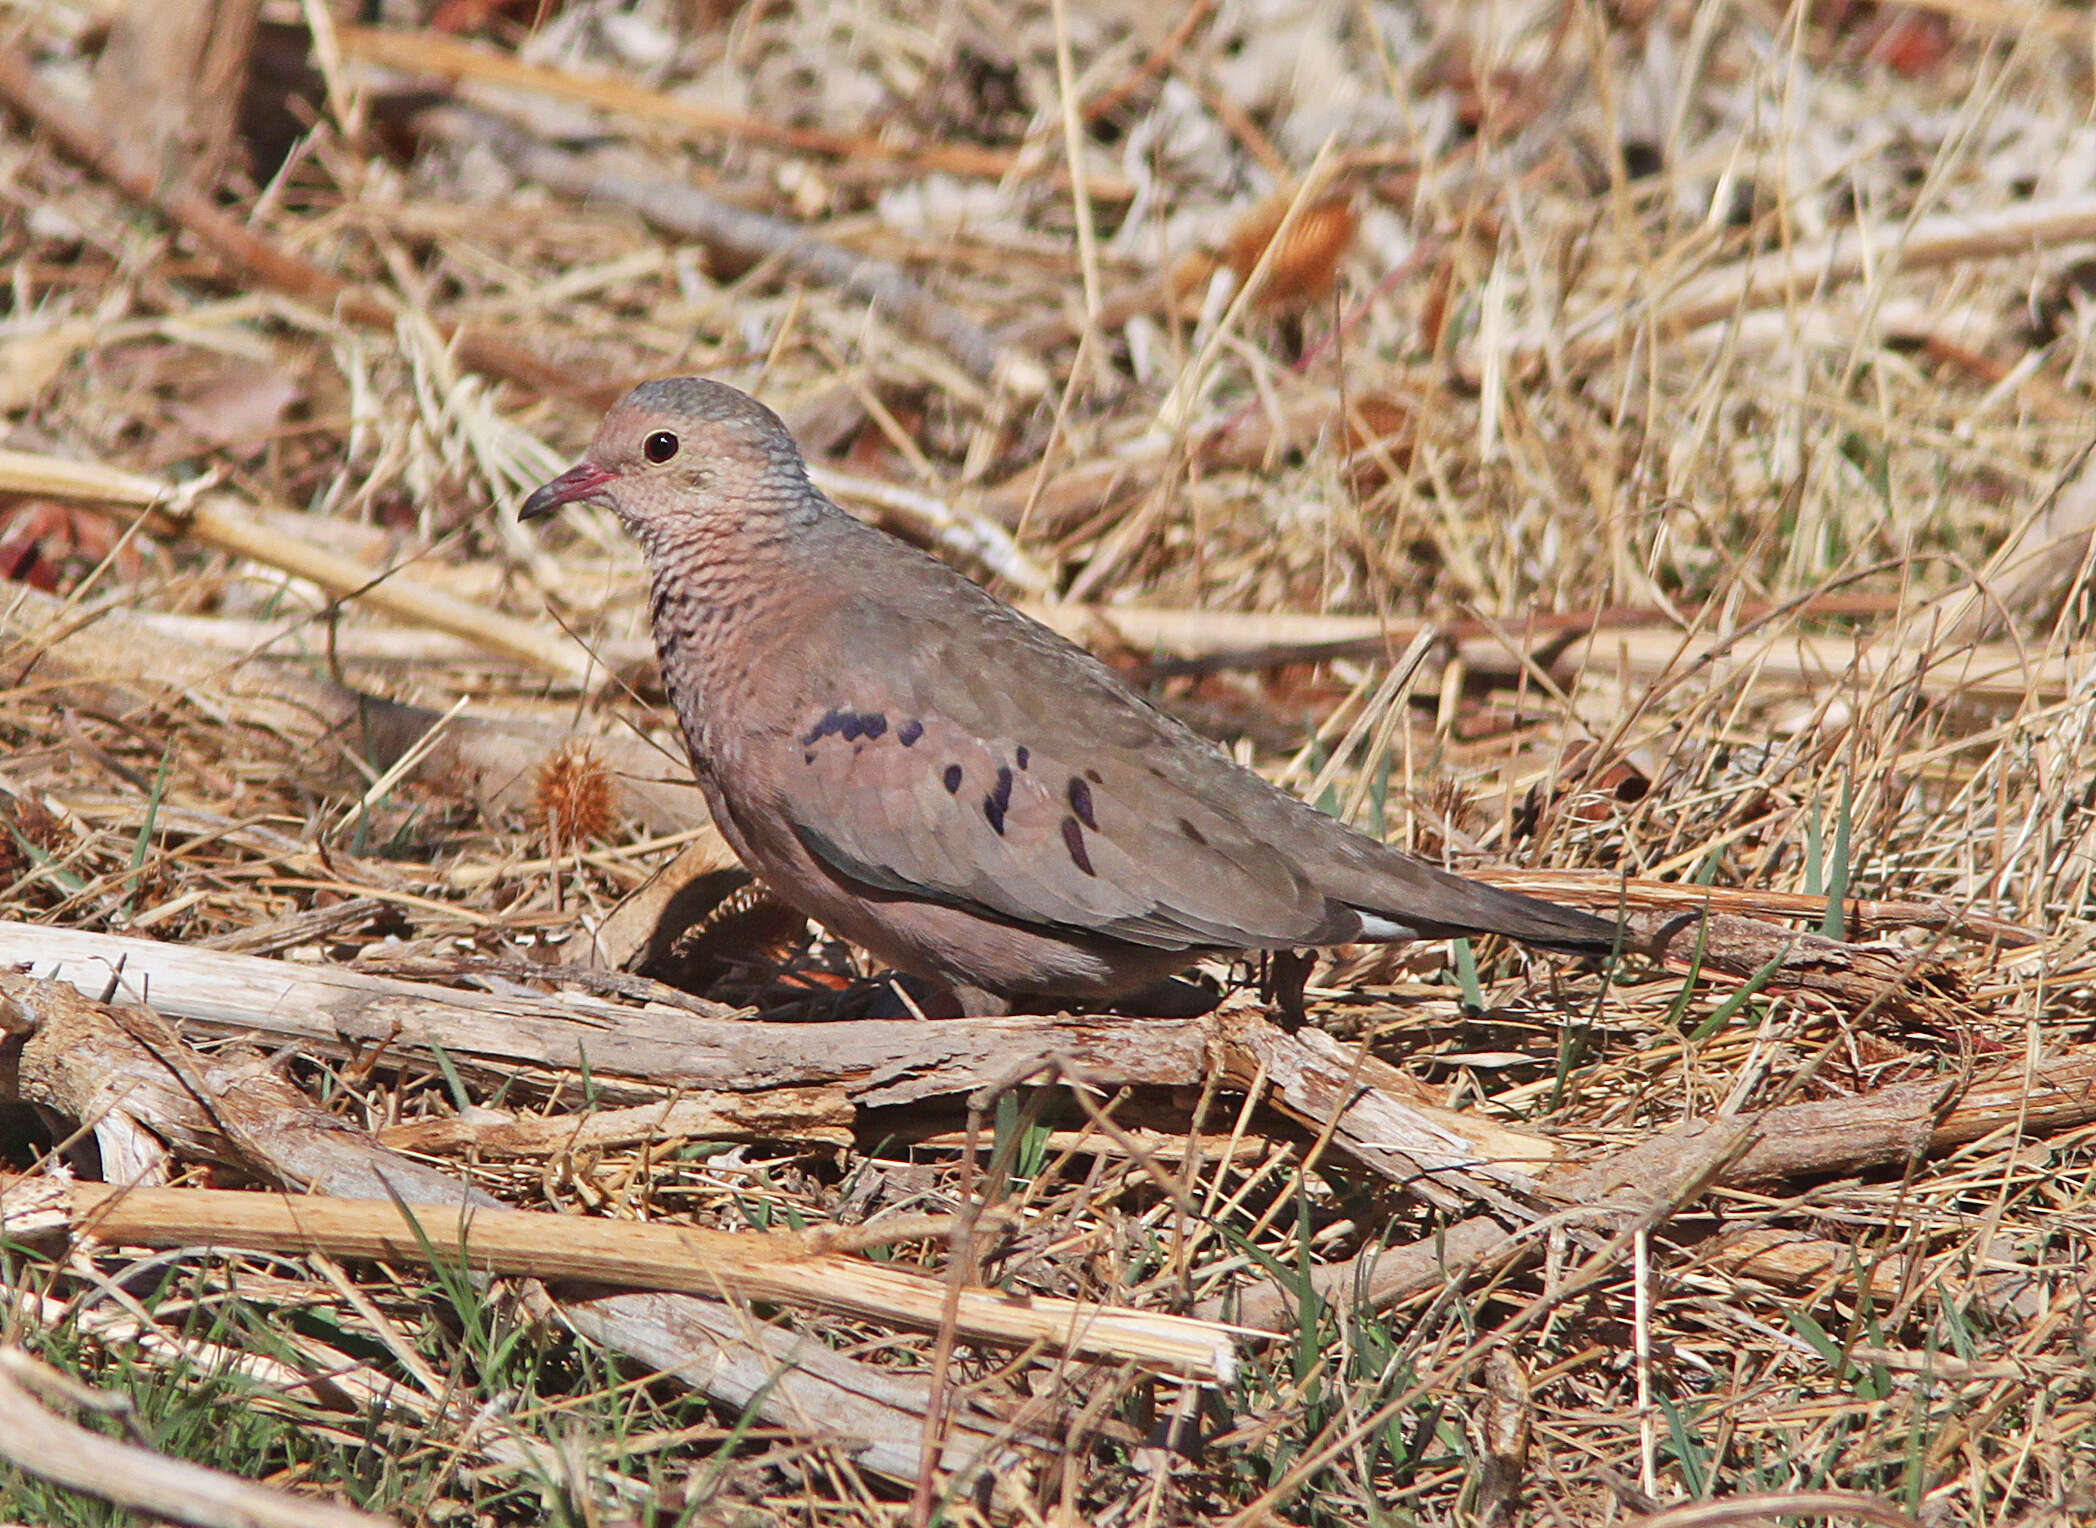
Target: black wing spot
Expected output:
[999,800]
[1021,756]
[832,721]
[1073,840]
[1081,803]
[807,758]
[1192,832]
[908,733]
[849,725]
[953,778]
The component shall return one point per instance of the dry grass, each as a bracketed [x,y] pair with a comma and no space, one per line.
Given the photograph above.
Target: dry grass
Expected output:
[1543,360]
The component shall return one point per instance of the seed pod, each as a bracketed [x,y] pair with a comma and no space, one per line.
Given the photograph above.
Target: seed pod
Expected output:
[572,799]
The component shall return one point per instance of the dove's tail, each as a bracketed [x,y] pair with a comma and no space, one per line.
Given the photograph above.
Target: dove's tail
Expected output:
[1434,904]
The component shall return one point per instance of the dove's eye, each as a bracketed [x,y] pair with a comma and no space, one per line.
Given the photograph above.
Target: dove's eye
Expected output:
[659,447]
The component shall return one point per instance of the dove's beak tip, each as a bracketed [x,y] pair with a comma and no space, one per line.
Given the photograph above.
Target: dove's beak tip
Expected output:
[584,480]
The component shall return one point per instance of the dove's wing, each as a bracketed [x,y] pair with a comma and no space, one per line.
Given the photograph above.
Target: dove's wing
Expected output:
[1003,770]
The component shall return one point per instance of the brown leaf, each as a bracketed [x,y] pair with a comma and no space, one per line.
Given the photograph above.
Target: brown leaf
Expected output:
[238,406]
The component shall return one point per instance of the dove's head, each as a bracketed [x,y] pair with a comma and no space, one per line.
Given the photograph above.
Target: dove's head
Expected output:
[687,456]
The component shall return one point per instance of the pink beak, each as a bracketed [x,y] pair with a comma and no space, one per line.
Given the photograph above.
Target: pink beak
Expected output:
[584,480]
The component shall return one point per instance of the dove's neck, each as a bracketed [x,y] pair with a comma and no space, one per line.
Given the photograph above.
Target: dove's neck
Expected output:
[724,601]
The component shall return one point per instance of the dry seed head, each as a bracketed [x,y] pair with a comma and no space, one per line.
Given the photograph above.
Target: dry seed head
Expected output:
[1380,433]
[1304,267]
[572,798]
[1447,810]
[1306,261]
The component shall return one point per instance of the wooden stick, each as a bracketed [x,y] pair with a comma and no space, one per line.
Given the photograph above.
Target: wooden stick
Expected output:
[779,1374]
[878,1061]
[785,1267]
[1365,1102]
[632,1054]
[338,1011]
[130,1077]
[792,1114]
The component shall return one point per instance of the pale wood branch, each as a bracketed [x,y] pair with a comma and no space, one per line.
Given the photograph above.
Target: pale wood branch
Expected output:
[633,1053]
[98,1063]
[872,1062]
[796,1382]
[1895,1124]
[341,1012]
[818,1116]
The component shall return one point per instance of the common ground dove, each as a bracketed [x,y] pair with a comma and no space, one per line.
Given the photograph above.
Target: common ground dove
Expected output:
[929,773]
